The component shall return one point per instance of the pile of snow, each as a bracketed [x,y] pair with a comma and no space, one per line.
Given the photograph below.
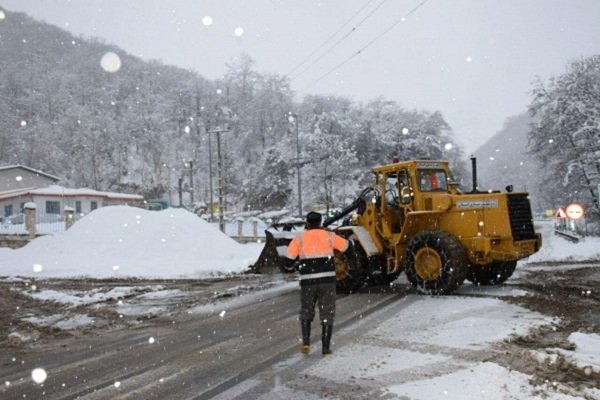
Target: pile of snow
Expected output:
[122,241]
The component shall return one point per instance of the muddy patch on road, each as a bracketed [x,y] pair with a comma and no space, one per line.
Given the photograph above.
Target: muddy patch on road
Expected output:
[36,311]
[571,295]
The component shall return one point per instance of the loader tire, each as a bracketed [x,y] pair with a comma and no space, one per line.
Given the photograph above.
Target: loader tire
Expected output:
[350,270]
[491,274]
[436,262]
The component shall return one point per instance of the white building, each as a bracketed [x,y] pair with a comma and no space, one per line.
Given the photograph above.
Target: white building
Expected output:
[51,201]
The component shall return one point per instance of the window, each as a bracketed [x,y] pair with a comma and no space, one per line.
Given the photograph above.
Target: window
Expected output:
[432,180]
[78,206]
[93,205]
[52,207]
[391,190]
[8,210]
[403,178]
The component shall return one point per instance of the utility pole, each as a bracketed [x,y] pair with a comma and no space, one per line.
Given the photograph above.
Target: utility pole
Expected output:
[210,175]
[170,188]
[180,189]
[293,117]
[191,163]
[196,150]
[218,131]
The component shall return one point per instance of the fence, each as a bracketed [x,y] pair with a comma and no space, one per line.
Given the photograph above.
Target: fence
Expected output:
[33,223]
[245,231]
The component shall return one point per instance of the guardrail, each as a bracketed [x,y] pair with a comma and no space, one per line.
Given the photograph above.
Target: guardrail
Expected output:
[570,236]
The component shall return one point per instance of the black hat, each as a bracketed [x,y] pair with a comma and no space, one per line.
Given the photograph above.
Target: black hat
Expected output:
[313,219]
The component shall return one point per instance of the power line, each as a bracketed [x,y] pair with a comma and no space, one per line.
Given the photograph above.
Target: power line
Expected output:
[354,28]
[365,46]
[330,37]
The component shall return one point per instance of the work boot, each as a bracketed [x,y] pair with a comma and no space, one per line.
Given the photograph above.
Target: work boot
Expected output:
[326,339]
[305,349]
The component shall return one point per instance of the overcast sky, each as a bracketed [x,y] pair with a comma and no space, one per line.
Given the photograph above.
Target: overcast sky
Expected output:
[473,60]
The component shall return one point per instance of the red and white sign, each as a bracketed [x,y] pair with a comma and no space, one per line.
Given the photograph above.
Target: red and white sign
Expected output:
[574,211]
[560,213]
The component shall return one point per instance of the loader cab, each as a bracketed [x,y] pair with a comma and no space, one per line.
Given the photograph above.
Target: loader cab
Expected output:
[396,198]
[432,187]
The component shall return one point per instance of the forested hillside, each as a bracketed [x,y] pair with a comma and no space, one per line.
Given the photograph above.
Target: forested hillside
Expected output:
[505,160]
[554,152]
[141,128]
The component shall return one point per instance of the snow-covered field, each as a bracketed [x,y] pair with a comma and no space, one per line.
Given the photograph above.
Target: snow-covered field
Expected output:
[410,351]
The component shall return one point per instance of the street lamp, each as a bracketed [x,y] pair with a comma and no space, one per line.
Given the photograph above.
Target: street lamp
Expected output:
[293,117]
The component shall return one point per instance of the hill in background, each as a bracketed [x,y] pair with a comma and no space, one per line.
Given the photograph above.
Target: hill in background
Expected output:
[145,127]
[503,160]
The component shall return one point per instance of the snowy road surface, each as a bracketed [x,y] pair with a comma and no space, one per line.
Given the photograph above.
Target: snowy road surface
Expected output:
[390,344]
[200,352]
[130,304]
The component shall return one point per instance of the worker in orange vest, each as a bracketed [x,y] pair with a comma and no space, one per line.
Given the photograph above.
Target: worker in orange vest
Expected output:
[315,247]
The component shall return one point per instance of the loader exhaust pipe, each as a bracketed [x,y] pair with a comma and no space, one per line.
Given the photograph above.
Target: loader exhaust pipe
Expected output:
[474,173]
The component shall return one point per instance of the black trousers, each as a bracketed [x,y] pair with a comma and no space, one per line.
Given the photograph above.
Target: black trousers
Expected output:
[322,294]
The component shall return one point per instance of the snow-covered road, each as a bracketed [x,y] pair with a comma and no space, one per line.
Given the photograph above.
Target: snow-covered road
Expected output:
[135,314]
[242,342]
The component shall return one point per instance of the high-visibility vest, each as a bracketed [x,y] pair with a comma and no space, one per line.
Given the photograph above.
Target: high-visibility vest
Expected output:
[315,249]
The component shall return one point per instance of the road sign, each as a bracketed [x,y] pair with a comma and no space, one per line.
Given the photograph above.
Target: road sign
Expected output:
[560,213]
[574,211]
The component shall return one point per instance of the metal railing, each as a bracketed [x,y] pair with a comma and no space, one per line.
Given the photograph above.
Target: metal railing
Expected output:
[35,223]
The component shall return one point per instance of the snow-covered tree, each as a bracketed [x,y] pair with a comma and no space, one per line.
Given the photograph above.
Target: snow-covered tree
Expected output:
[137,128]
[274,189]
[566,136]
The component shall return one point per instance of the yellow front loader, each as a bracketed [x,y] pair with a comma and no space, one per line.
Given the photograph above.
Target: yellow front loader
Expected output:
[415,219]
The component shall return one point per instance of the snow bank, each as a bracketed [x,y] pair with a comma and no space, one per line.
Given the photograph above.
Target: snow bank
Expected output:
[122,241]
[556,248]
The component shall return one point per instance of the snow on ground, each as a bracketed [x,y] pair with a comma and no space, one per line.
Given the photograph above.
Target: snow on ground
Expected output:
[556,248]
[89,297]
[414,342]
[479,381]
[130,242]
[123,241]
[588,351]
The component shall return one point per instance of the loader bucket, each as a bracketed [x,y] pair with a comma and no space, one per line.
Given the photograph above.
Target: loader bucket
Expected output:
[272,258]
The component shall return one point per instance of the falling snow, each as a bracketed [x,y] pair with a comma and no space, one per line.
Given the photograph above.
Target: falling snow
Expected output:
[110,62]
